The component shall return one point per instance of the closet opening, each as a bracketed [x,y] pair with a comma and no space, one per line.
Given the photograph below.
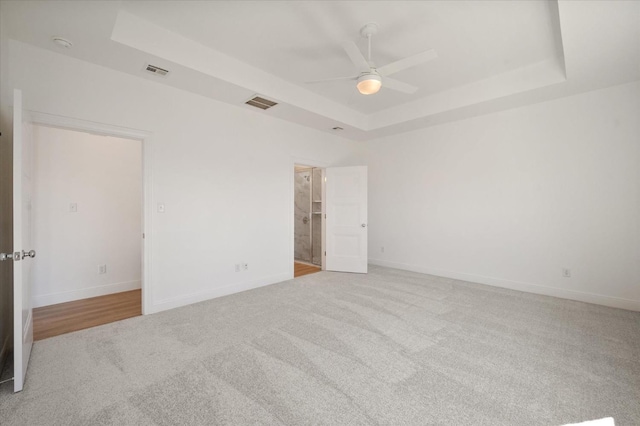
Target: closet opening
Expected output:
[87,228]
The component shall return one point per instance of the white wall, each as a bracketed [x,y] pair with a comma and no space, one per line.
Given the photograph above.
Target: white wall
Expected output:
[511,198]
[103,176]
[223,172]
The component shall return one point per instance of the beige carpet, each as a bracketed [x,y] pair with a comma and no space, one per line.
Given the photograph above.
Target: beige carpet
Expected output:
[391,347]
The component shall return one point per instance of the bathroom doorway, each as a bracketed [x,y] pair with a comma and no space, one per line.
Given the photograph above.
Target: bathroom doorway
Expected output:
[308,219]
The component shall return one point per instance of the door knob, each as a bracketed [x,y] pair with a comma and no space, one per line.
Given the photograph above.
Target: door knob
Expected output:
[305,220]
[10,256]
[30,253]
[364,225]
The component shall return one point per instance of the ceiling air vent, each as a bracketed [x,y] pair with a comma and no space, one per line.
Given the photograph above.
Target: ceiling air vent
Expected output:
[261,103]
[156,70]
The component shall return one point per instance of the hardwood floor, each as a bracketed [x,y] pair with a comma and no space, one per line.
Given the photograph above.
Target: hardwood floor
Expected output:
[300,269]
[53,320]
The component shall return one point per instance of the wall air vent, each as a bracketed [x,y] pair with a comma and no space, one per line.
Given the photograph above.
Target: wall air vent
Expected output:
[261,103]
[156,70]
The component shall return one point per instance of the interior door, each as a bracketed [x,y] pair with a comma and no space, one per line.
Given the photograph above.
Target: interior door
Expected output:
[346,210]
[23,253]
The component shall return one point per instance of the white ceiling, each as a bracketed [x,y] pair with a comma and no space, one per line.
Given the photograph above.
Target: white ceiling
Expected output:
[300,41]
[492,55]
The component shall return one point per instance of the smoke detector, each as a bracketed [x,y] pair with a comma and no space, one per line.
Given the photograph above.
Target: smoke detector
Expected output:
[62,42]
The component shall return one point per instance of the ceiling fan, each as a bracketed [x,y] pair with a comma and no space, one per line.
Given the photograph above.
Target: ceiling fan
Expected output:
[371,78]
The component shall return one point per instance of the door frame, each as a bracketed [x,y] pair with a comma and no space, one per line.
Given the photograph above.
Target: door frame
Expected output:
[292,208]
[145,138]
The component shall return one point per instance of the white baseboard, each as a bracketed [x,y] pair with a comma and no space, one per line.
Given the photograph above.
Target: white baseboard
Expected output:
[188,299]
[84,293]
[598,299]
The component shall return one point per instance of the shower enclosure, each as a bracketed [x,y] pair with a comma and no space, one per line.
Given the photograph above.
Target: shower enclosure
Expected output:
[308,215]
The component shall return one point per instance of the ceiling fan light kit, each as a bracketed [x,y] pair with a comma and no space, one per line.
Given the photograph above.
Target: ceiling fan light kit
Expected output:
[369,84]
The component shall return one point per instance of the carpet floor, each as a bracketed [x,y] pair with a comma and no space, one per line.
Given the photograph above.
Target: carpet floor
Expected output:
[390,347]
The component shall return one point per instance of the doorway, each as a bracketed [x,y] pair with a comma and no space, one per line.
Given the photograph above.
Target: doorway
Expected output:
[308,219]
[22,253]
[87,226]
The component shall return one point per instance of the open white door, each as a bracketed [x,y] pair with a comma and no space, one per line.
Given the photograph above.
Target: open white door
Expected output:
[346,209]
[23,253]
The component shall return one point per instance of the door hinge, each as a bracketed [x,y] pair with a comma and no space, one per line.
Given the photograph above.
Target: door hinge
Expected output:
[325,253]
[143,235]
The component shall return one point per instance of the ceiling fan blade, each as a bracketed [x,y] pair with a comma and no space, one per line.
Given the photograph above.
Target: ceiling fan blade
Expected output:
[409,62]
[331,79]
[391,83]
[356,56]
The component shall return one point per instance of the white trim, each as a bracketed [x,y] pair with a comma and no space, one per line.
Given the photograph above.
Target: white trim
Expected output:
[292,207]
[202,296]
[323,220]
[84,293]
[147,223]
[597,299]
[94,127]
[146,138]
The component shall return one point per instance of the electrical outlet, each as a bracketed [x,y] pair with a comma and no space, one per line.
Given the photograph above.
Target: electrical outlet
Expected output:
[237,267]
[102,269]
[566,272]
[245,266]
[73,207]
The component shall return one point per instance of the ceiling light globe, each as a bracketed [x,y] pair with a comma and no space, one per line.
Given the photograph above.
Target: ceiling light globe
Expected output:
[369,84]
